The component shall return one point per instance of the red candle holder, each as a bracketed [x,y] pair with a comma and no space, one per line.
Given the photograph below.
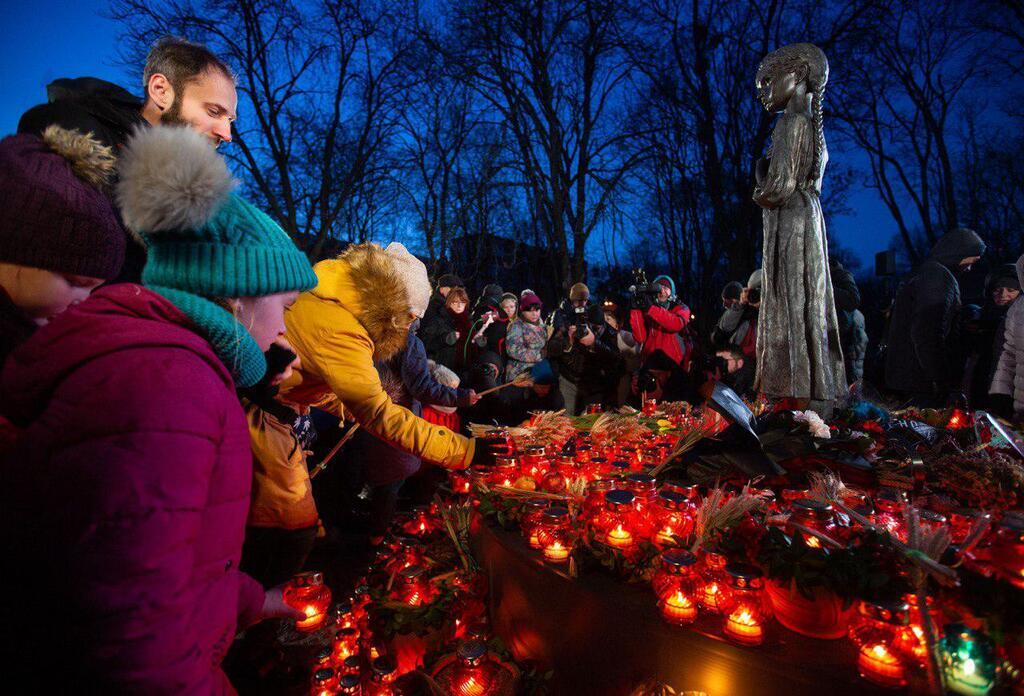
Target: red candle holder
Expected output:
[744,606]
[960,420]
[555,523]
[345,644]
[676,585]
[421,523]
[911,640]
[351,665]
[529,522]
[673,519]
[890,506]
[324,682]
[343,616]
[472,672]
[813,514]
[714,582]
[688,491]
[877,633]
[383,676]
[650,407]
[559,550]
[360,601]
[534,463]
[596,467]
[405,551]
[324,658]
[459,481]
[350,685]
[413,587]
[645,489]
[615,525]
[584,451]
[480,476]
[1008,547]
[505,471]
[593,503]
[307,593]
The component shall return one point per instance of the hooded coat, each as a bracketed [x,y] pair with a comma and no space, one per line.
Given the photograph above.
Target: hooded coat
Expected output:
[108,112]
[1009,375]
[924,328]
[355,316]
[125,502]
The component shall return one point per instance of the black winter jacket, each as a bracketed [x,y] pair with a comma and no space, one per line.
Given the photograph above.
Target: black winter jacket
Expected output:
[924,331]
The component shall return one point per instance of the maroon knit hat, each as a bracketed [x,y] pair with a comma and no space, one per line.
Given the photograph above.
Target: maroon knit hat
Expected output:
[54,214]
[529,298]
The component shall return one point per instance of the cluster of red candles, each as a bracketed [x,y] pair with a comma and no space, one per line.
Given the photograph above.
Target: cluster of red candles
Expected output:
[625,506]
[686,585]
[351,663]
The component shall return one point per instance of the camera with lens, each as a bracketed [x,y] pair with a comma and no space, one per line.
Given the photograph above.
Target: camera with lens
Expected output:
[643,293]
[579,320]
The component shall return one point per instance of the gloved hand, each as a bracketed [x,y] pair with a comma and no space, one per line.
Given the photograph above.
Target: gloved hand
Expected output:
[641,301]
[487,449]
[451,337]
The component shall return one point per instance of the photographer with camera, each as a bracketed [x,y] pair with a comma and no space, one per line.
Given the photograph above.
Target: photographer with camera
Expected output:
[737,327]
[571,310]
[658,319]
[589,365]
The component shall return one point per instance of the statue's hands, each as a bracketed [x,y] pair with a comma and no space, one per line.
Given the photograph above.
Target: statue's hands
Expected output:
[761,171]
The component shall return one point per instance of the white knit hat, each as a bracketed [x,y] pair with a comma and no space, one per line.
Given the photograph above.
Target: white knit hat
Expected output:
[413,274]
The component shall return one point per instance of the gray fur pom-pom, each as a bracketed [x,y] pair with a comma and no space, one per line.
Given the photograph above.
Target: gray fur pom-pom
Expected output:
[171,179]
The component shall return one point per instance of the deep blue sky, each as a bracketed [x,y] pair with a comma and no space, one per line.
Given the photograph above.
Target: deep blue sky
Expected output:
[48,39]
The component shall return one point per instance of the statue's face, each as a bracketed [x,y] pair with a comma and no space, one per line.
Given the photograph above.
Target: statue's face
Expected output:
[775,90]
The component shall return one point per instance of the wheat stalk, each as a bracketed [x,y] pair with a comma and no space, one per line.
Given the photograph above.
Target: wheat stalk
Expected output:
[716,512]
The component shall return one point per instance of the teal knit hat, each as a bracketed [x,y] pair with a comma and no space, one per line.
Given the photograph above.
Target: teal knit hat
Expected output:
[204,242]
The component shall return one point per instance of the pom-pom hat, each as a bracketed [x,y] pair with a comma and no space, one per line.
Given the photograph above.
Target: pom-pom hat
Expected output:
[204,242]
[175,195]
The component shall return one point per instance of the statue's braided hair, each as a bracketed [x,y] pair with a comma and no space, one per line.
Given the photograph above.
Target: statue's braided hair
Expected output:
[789,59]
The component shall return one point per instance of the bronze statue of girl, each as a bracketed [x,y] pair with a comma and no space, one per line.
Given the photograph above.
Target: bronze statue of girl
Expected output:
[798,348]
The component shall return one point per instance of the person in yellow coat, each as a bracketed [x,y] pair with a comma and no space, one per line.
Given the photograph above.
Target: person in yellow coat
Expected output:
[361,311]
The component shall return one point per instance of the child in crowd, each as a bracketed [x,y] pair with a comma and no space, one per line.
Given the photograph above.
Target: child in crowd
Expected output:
[283,520]
[60,237]
[126,497]
[526,337]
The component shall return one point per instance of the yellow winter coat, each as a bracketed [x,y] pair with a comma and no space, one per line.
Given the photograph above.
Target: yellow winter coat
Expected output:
[358,313]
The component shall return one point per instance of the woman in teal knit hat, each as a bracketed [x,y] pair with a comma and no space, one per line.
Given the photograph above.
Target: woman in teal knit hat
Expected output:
[130,485]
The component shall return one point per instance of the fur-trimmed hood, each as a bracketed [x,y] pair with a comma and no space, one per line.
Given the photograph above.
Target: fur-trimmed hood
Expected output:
[358,317]
[364,281]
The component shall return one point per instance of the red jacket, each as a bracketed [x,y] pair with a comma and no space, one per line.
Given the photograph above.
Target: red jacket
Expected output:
[124,502]
[658,328]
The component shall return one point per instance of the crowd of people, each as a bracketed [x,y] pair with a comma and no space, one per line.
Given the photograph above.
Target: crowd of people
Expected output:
[169,356]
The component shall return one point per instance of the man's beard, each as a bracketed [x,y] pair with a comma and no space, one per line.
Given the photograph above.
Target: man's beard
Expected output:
[172,117]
